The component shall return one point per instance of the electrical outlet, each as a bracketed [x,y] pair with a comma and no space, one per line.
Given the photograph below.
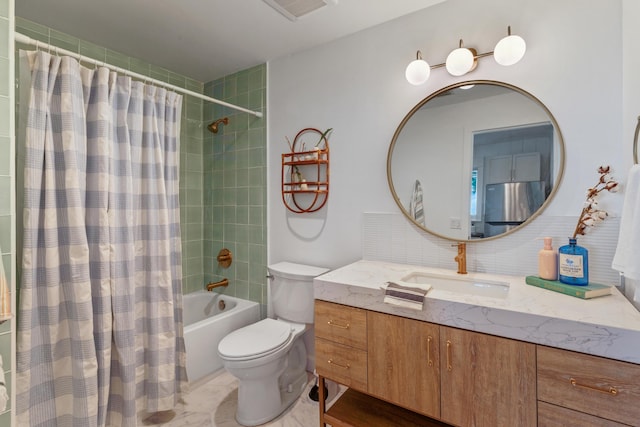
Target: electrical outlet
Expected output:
[454,223]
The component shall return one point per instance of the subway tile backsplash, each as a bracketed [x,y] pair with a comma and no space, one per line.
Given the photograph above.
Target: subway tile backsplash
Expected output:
[391,237]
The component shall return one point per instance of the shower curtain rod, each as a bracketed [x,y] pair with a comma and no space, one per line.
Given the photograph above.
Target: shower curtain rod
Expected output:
[21,38]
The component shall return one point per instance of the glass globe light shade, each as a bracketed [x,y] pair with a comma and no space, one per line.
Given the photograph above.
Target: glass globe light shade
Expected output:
[460,61]
[417,72]
[509,50]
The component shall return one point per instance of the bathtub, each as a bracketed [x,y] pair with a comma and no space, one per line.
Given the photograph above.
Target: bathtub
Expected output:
[206,324]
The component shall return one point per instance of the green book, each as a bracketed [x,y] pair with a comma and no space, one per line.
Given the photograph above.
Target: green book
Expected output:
[591,290]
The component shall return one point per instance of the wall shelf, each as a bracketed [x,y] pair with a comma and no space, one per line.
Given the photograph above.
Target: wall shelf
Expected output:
[305,173]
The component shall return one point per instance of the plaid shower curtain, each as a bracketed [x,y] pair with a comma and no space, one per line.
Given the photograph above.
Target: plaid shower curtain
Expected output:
[100,306]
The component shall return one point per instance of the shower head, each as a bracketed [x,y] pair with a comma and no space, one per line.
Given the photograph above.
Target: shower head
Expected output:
[213,127]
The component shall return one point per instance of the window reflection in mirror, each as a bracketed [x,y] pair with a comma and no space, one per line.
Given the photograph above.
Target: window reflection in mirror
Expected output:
[488,158]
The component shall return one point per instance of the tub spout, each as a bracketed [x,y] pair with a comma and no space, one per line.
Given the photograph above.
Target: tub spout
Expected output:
[212,285]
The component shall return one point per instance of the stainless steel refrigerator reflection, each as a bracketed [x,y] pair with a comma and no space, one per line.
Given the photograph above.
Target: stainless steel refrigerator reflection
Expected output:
[509,204]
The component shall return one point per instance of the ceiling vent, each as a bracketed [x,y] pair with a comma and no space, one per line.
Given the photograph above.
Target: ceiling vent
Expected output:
[294,9]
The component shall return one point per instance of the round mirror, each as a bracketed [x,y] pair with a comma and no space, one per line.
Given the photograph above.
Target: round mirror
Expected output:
[475,160]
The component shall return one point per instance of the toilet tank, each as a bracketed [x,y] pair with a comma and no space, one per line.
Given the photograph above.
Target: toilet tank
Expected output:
[292,290]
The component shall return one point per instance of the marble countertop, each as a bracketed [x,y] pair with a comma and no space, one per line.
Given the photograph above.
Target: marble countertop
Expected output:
[607,326]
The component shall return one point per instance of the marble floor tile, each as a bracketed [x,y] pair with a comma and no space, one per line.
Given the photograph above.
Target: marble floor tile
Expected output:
[212,402]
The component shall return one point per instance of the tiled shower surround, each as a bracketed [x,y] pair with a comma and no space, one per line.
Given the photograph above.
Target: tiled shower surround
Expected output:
[234,195]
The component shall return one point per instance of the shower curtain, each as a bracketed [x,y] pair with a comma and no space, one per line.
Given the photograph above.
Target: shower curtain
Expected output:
[100,306]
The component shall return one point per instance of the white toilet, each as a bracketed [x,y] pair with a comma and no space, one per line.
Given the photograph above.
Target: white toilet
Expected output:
[269,357]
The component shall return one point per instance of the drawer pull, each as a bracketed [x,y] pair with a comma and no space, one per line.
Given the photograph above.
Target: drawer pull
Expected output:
[330,322]
[449,367]
[429,361]
[331,362]
[611,390]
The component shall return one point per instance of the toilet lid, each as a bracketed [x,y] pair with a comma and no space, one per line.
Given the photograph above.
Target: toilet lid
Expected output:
[254,340]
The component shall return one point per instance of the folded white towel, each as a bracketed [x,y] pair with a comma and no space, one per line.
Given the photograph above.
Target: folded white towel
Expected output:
[626,257]
[403,294]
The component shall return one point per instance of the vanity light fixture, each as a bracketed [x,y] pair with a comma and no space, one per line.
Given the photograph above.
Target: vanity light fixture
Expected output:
[508,51]
[418,70]
[461,60]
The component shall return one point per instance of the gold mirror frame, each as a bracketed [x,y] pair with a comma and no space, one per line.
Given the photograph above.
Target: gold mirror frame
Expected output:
[635,142]
[557,181]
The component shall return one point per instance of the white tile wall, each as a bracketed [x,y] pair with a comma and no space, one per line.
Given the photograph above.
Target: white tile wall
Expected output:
[391,237]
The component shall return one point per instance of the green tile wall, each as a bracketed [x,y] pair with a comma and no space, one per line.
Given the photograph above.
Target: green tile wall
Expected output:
[235,185]
[7,176]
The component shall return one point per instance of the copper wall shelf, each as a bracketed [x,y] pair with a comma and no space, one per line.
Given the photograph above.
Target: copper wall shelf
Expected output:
[305,173]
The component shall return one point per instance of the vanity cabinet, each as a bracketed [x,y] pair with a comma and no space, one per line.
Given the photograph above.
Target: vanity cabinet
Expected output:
[417,370]
[341,338]
[487,380]
[404,362]
[341,344]
[578,389]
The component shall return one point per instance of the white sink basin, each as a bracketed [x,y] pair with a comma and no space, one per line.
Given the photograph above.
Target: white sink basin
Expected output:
[460,284]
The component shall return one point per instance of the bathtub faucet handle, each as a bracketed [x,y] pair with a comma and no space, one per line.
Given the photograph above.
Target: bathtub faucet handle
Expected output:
[225,258]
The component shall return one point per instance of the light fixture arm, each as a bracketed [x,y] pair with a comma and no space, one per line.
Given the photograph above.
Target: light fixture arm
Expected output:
[476,56]
[508,51]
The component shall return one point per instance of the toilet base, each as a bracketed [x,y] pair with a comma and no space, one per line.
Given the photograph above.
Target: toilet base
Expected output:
[271,405]
[268,390]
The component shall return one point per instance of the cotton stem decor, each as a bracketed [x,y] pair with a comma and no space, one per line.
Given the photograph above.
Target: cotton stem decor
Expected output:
[590,214]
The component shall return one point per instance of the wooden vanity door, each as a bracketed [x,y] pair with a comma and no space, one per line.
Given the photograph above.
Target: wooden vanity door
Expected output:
[403,362]
[486,380]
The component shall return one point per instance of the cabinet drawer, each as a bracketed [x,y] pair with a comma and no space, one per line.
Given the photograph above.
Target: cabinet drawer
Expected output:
[341,363]
[342,324]
[555,416]
[602,387]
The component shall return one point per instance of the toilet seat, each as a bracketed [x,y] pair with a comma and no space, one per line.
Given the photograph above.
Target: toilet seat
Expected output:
[256,340]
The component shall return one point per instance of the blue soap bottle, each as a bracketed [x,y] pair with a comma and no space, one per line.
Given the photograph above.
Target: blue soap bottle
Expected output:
[573,264]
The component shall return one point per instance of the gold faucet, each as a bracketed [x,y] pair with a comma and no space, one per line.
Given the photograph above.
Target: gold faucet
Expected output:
[212,285]
[461,258]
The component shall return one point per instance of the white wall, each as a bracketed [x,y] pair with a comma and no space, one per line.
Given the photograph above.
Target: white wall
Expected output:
[356,85]
[630,98]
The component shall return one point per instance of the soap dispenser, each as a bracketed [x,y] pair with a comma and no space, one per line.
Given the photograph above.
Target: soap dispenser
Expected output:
[547,261]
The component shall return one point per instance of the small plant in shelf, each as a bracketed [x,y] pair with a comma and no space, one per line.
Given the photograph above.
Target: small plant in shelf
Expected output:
[317,149]
[314,153]
[299,178]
